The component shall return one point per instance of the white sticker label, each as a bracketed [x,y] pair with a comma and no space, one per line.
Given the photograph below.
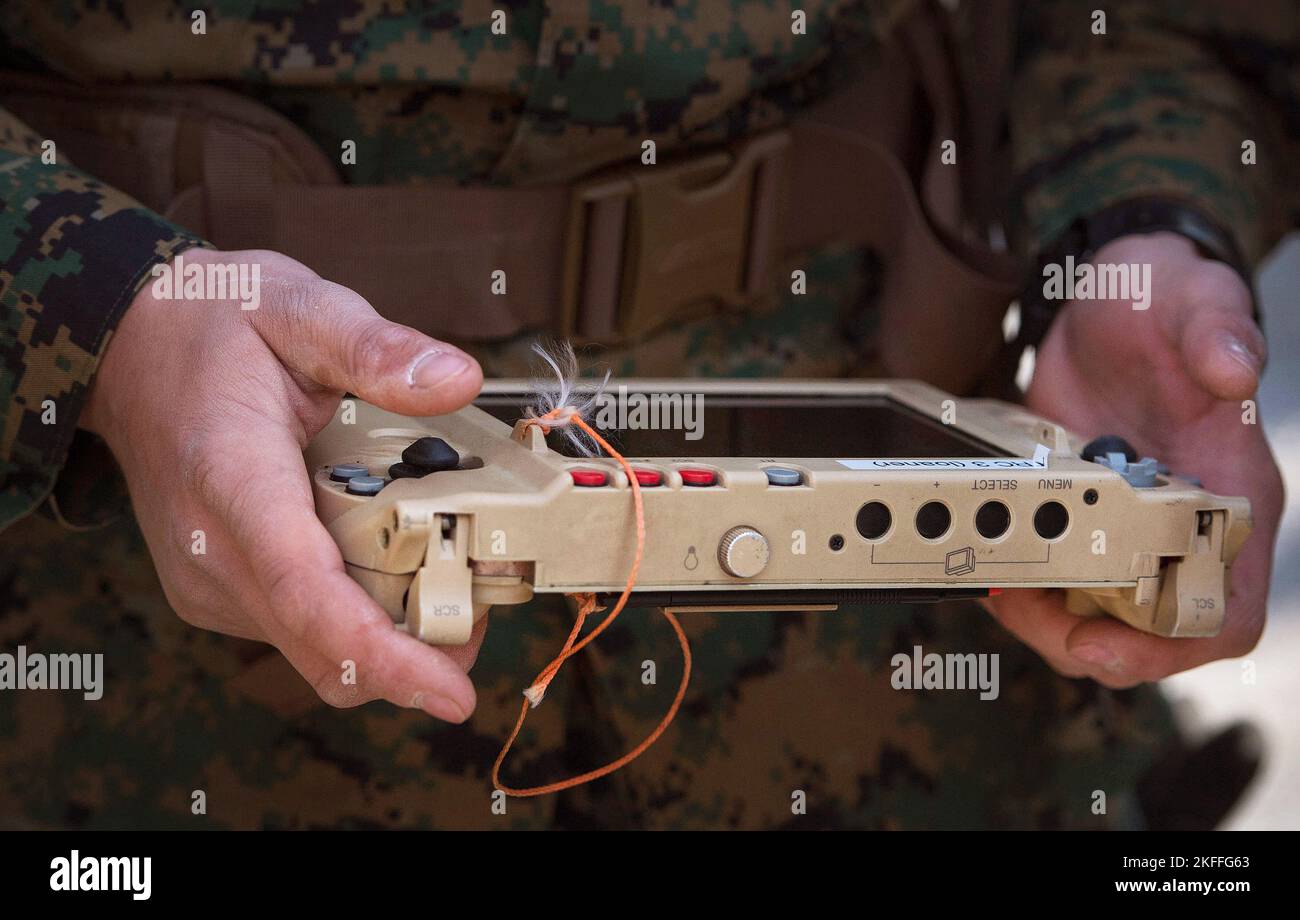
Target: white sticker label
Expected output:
[1037,462]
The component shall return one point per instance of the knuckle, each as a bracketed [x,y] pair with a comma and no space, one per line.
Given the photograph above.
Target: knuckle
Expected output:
[286,593]
[185,612]
[193,601]
[1244,641]
[202,465]
[1215,286]
[291,300]
[208,477]
[183,530]
[330,687]
[276,265]
[326,297]
[317,298]
[181,604]
[377,348]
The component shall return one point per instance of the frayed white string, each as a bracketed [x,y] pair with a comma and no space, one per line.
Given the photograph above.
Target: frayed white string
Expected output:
[562,417]
[567,396]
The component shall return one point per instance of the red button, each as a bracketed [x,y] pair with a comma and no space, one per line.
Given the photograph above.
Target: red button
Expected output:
[698,477]
[587,477]
[648,477]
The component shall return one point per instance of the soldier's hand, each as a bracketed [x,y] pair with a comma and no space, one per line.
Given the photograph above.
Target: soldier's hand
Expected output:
[207,408]
[1171,380]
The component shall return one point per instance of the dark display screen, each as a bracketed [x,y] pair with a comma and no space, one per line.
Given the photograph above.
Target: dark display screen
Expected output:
[707,425]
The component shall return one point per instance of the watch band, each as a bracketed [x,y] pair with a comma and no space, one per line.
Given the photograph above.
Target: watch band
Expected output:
[1086,235]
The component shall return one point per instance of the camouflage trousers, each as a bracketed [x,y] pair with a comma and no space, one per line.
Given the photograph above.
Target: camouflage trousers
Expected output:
[791,721]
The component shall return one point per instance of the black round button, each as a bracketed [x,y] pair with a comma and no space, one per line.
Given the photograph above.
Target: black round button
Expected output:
[933,520]
[431,455]
[992,520]
[874,520]
[1051,519]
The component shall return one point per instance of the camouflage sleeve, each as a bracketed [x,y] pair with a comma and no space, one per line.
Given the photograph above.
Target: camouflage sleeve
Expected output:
[73,252]
[1181,99]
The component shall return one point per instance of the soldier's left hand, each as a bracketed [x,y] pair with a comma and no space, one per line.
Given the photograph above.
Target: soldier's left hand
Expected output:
[1171,380]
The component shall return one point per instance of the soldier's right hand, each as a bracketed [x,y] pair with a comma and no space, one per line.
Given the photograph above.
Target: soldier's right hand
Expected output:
[207,407]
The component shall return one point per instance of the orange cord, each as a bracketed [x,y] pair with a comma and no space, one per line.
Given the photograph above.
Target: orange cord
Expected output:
[586,606]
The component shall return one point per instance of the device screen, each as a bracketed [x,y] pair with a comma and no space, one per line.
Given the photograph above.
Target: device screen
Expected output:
[761,425]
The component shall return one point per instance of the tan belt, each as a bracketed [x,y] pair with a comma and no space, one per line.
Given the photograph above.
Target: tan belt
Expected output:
[608,258]
[614,257]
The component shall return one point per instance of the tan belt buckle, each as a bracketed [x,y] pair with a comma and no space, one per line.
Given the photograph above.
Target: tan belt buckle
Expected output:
[645,242]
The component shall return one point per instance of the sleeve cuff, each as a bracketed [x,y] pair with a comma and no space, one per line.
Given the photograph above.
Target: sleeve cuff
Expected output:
[73,254]
[1148,111]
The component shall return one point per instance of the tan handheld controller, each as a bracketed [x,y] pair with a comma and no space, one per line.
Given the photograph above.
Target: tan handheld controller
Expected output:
[441,518]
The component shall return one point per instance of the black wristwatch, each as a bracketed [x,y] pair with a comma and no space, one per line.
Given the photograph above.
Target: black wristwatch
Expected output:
[1086,235]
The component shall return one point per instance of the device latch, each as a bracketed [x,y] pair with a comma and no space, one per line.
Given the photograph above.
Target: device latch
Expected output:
[440,603]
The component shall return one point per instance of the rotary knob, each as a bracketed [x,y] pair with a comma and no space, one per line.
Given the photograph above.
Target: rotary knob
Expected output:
[743,552]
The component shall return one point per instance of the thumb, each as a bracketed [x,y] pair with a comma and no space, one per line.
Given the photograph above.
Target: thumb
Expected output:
[333,336]
[1221,347]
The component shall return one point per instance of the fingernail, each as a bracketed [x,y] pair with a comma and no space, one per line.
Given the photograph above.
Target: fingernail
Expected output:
[1243,353]
[441,707]
[1097,654]
[437,368]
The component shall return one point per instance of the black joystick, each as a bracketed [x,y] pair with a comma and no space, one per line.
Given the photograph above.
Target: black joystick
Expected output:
[425,456]
[1109,444]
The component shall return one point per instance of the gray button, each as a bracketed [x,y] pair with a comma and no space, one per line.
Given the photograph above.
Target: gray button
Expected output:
[780,476]
[365,485]
[342,472]
[1140,475]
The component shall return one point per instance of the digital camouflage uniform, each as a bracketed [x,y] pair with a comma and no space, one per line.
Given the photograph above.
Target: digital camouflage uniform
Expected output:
[778,702]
